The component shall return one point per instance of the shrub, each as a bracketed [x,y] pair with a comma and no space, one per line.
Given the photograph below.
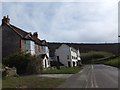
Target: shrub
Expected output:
[22,61]
[34,65]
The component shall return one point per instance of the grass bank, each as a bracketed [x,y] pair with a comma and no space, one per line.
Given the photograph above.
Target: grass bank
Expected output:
[113,62]
[31,82]
[92,56]
[71,70]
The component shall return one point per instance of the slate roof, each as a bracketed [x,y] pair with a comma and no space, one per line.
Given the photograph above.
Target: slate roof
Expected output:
[20,31]
[43,56]
[25,35]
[55,63]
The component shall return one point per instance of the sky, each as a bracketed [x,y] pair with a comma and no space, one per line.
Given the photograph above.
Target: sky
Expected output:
[84,21]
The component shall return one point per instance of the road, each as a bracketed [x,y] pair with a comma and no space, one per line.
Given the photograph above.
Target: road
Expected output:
[93,76]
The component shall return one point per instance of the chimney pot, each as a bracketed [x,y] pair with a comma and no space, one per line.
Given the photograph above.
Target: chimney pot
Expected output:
[35,35]
[6,20]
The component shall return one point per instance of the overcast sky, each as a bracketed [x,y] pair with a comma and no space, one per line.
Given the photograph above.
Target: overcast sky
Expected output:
[76,22]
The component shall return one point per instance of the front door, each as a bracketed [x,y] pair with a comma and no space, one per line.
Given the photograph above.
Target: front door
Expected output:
[45,63]
[69,64]
[73,64]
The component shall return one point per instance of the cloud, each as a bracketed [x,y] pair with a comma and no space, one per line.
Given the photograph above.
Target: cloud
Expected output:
[67,21]
[89,22]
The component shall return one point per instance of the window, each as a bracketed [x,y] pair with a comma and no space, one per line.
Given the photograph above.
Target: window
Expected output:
[39,48]
[30,46]
[58,59]
[27,45]
[45,49]
[72,57]
[67,56]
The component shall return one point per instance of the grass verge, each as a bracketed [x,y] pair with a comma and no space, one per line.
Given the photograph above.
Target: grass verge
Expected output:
[113,62]
[92,56]
[71,70]
[31,82]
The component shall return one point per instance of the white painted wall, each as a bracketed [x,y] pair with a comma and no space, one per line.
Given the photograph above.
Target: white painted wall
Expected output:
[73,56]
[0,44]
[64,51]
[78,53]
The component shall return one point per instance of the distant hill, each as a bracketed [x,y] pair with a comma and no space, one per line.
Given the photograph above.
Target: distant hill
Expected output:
[85,47]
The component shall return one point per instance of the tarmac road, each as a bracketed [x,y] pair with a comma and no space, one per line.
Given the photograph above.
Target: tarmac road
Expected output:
[93,76]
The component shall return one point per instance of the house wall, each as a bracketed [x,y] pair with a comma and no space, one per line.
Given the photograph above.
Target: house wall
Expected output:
[0,44]
[67,54]
[64,54]
[10,41]
[44,50]
[78,53]
[22,45]
[73,57]
[37,49]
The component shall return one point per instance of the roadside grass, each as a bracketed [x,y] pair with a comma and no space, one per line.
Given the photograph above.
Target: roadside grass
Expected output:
[31,82]
[87,58]
[113,62]
[70,70]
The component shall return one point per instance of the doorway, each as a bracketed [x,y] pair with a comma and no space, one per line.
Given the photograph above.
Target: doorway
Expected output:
[69,64]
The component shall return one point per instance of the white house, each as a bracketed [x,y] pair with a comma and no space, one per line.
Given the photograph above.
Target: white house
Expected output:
[68,56]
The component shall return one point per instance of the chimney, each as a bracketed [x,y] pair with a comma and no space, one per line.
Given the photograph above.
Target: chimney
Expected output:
[6,20]
[35,35]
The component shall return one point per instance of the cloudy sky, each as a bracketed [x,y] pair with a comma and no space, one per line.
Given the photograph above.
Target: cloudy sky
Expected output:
[88,21]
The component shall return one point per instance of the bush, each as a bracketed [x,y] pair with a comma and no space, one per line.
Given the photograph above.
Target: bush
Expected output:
[34,65]
[22,61]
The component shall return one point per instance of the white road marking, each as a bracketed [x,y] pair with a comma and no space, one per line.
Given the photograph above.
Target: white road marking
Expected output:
[95,83]
[92,67]
[93,78]
[92,85]
[81,71]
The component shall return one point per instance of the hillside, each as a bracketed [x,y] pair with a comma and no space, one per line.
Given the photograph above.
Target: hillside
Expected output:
[85,47]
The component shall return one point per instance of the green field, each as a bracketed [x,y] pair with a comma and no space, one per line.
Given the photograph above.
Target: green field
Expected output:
[71,70]
[31,82]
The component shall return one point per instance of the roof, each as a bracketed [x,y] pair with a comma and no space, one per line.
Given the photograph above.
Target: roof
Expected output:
[43,56]
[25,35]
[20,31]
[55,63]
[68,46]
